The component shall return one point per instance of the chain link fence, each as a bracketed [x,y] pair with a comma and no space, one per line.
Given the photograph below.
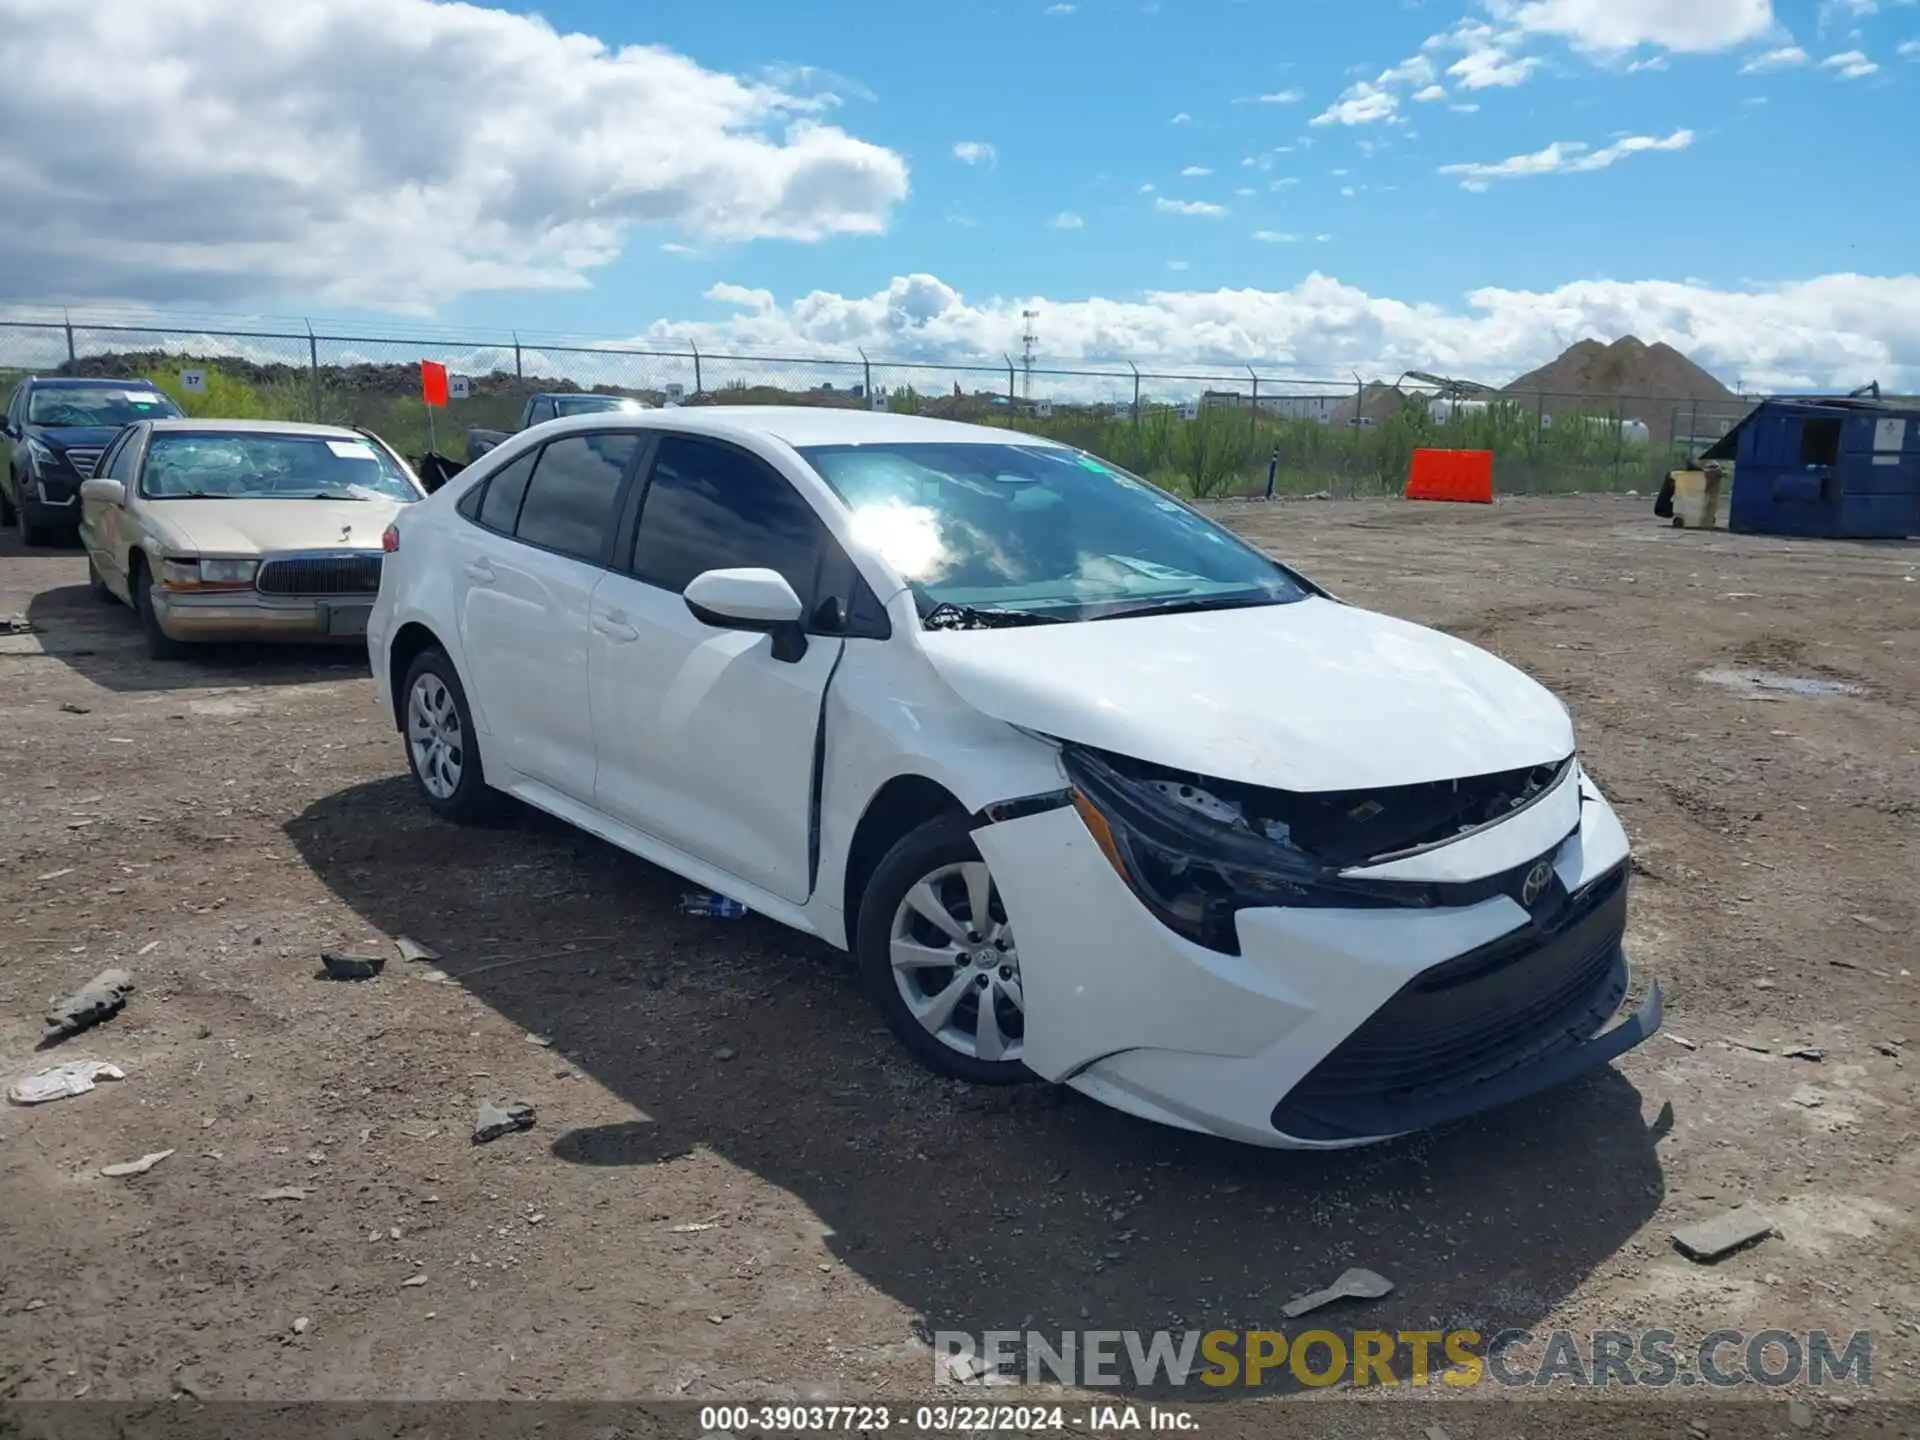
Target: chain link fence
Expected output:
[1204,433]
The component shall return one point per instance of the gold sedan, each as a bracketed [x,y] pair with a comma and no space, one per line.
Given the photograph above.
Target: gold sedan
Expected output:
[242,529]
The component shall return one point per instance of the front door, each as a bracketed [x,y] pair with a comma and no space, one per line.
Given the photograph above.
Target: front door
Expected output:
[705,740]
[527,567]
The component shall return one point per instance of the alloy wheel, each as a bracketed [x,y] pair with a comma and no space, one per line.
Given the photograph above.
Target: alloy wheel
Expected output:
[433,736]
[956,965]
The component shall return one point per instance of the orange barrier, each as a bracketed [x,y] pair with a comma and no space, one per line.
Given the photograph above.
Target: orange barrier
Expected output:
[1464,475]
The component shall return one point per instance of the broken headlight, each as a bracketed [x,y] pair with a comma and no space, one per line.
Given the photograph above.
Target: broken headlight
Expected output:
[1196,859]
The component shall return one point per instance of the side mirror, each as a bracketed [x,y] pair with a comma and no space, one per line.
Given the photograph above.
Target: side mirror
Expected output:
[102,491]
[750,599]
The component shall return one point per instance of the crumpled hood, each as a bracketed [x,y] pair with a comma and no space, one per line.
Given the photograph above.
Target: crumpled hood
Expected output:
[1308,696]
[259,527]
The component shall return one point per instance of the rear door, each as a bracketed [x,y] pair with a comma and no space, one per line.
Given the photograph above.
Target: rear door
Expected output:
[705,739]
[539,538]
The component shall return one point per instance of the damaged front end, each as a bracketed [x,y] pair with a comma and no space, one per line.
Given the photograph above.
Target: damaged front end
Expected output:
[1196,851]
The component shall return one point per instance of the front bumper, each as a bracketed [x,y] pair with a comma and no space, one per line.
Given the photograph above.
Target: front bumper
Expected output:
[245,615]
[1332,1027]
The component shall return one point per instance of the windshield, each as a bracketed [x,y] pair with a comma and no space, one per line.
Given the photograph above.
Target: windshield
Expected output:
[592,404]
[1043,531]
[271,467]
[78,406]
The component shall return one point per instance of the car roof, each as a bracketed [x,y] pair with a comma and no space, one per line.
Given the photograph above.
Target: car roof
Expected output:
[254,427]
[91,382]
[804,425]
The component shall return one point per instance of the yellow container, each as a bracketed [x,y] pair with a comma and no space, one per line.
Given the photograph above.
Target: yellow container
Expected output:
[1696,498]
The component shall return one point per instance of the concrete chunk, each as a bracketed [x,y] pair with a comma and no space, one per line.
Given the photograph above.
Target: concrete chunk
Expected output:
[1706,1241]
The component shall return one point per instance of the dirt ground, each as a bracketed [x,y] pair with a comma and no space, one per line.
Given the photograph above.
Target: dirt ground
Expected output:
[738,1186]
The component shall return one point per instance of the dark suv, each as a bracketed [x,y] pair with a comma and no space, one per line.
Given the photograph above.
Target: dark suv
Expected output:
[58,428]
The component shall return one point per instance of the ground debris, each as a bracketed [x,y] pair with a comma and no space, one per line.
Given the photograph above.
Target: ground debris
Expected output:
[412,951]
[1706,1241]
[285,1192]
[501,1118]
[1680,1040]
[99,999]
[1352,1285]
[69,708]
[1875,924]
[135,1167]
[1805,1052]
[62,1082]
[350,967]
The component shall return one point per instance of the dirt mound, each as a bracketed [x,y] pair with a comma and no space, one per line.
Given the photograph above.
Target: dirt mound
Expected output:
[1627,368]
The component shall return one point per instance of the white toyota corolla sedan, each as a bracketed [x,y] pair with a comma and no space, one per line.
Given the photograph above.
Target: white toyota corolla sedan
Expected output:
[1091,789]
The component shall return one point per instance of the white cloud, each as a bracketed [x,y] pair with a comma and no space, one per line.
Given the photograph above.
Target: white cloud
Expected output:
[1176,264]
[1246,190]
[1062,9]
[1066,220]
[1194,172]
[1347,192]
[1362,103]
[1188,207]
[1909,50]
[1183,118]
[974,152]
[1689,26]
[1280,97]
[1850,65]
[1431,94]
[1275,237]
[1148,188]
[225,150]
[1832,331]
[1785,58]
[1563,156]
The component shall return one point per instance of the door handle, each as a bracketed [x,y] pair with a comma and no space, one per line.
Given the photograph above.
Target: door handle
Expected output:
[480,570]
[613,629]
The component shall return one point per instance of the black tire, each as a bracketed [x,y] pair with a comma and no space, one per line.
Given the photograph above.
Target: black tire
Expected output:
[6,508]
[160,645]
[470,800]
[934,846]
[96,585]
[31,535]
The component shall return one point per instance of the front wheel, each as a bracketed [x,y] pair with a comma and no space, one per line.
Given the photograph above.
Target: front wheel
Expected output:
[936,950]
[160,645]
[442,752]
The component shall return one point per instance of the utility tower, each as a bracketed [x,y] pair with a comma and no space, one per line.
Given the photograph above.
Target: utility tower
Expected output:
[1027,342]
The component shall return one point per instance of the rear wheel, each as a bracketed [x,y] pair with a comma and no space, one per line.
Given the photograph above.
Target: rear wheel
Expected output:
[6,507]
[442,751]
[937,952]
[160,645]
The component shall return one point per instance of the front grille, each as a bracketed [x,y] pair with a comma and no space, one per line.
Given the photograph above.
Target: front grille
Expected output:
[1469,1019]
[83,458]
[321,575]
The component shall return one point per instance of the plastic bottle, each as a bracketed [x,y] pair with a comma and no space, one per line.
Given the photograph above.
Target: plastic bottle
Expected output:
[712,906]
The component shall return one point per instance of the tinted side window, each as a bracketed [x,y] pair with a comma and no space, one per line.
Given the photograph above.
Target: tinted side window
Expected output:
[540,410]
[500,498]
[574,499]
[117,463]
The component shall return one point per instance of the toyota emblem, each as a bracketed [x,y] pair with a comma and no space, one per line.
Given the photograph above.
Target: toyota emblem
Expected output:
[1535,885]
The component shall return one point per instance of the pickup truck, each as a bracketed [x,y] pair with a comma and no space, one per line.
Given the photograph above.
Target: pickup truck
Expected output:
[549,405]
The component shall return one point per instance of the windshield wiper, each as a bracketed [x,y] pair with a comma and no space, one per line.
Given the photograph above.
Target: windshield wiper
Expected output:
[1188,606]
[949,616]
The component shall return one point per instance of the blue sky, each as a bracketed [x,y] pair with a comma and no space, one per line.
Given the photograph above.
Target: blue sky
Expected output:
[1317,186]
[1079,109]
